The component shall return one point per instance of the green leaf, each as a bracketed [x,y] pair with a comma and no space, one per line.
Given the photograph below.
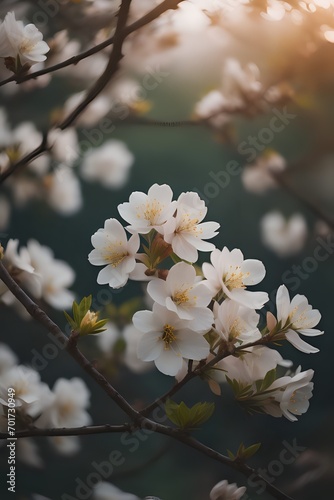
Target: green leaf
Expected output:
[244,453]
[268,379]
[251,450]
[69,319]
[188,418]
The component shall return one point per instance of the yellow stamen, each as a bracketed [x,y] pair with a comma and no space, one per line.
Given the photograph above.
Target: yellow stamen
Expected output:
[168,335]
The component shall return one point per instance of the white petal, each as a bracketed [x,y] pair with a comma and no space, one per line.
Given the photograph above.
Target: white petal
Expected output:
[253,300]
[203,320]
[146,321]
[169,362]
[299,344]
[179,275]
[256,271]
[150,346]
[192,345]
[157,289]
[283,304]
[183,249]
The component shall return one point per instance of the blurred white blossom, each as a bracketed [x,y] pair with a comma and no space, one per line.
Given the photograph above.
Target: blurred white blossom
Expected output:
[63,191]
[56,275]
[227,491]
[109,164]
[258,177]
[284,236]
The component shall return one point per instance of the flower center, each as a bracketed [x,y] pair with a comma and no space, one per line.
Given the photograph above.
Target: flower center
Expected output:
[66,408]
[188,225]
[235,329]
[234,279]
[181,297]
[152,211]
[168,335]
[115,254]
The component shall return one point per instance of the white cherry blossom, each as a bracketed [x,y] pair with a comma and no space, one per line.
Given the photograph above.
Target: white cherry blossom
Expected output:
[148,211]
[167,339]
[183,294]
[107,339]
[64,145]
[297,318]
[71,398]
[18,264]
[236,323]
[63,191]
[258,177]
[295,398]
[8,358]
[185,232]
[231,274]
[113,250]
[132,338]
[288,396]
[240,84]
[109,164]
[31,395]
[24,42]
[226,491]
[251,366]
[56,275]
[284,236]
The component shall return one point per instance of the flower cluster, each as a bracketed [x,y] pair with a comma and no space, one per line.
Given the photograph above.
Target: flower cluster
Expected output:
[208,315]
[63,406]
[21,45]
[37,271]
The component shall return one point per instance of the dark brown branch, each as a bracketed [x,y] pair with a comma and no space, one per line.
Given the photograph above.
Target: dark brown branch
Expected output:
[176,434]
[76,431]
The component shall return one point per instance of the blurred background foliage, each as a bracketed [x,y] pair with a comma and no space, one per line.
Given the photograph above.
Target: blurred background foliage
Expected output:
[183,156]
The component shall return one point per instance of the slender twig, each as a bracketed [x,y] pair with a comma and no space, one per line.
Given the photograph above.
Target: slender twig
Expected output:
[310,205]
[75,431]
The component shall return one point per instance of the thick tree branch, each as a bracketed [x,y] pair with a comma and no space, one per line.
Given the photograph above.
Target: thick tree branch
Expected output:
[176,434]
[76,431]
